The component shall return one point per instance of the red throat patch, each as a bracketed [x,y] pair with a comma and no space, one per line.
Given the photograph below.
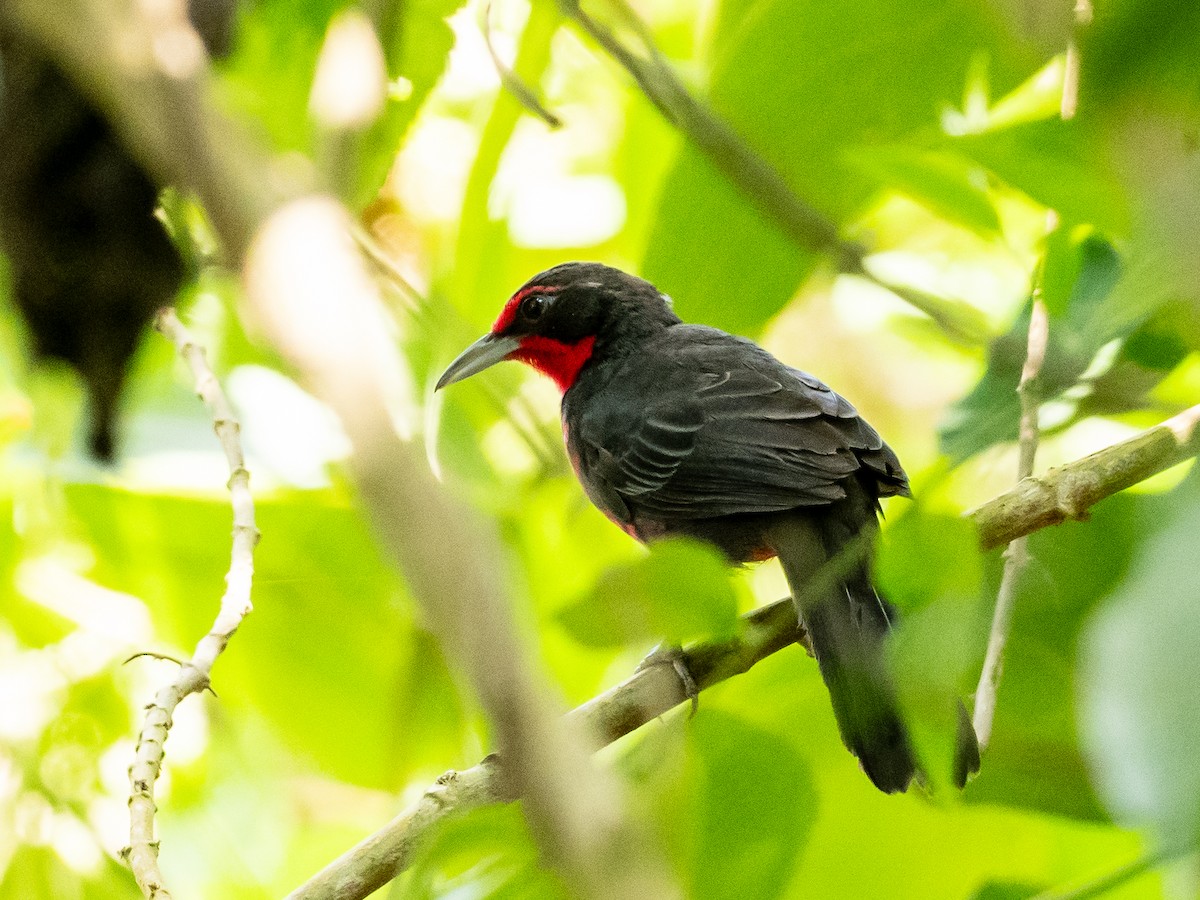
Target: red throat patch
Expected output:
[560,361]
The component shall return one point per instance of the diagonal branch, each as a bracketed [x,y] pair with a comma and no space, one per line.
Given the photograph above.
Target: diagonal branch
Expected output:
[1069,491]
[751,173]
[715,137]
[1062,493]
[194,673]
[646,695]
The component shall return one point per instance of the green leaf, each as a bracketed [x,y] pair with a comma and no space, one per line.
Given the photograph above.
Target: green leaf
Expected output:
[936,654]
[485,271]
[320,657]
[702,266]
[1007,890]
[487,852]
[38,872]
[1141,49]
[1060,165]
[269,76]
[754,809]
[713,251]
[416,43]
[1082,272]
[945,182]
[680,590]
[927,556]
[1139,670]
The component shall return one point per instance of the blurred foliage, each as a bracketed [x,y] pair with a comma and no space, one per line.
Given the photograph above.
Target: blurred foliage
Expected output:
[928,131]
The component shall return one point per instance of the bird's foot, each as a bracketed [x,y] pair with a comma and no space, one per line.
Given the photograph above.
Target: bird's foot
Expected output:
[673,656]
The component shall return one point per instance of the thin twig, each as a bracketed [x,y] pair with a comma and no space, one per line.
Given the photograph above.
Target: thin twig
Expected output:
[1066,492]
[194,673]
[511,81]
[1016,555]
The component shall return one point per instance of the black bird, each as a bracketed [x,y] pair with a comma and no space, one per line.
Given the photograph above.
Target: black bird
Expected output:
[677,429]
[91,264]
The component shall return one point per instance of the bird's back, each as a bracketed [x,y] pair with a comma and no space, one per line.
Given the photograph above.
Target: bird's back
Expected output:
[699,425]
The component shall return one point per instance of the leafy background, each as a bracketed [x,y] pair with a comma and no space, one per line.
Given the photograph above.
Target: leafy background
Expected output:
[930,132]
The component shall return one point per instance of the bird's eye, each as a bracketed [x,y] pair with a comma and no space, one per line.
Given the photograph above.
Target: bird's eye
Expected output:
[533,307]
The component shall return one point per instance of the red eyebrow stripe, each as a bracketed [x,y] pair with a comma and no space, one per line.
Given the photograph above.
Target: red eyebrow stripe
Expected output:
[510,308]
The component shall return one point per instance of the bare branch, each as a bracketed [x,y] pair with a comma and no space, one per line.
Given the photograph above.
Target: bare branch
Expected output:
[194,673]
[1016,555]
[1068,491]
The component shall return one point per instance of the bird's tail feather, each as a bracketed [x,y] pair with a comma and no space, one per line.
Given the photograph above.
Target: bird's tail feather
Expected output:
[846,623]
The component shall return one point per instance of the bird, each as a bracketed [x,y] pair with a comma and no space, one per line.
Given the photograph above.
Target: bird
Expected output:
[90,261]
[677,429]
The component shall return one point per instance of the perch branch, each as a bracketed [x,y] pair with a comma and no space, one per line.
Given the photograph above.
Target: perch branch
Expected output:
[194,673]
[1069,491]
[641,698]
[1065,492]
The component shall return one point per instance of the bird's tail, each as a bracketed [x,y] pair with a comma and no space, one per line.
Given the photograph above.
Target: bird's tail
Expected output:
[847,623]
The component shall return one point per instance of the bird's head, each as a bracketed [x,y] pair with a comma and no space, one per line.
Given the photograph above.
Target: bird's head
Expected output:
[560,318]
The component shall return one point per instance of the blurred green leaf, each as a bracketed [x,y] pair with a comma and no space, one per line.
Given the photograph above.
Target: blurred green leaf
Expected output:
[319,657]
[1139,670]
[269,75]
[1007,890]
[430,714]
[483,260]
[946,183]
[712,250]
[1082,272]
[1061,165]
[754,809]
[1141,49]
[486,852]
[680,590]
[38,872]
[936,654]
[927,556]
[416,44]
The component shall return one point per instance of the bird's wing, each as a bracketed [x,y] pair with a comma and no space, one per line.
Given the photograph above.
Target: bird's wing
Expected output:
[717,426]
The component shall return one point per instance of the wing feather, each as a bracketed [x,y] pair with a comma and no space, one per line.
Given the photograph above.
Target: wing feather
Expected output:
[722,428]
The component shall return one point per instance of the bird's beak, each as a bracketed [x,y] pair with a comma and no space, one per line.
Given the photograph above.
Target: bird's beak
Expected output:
[487,351]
